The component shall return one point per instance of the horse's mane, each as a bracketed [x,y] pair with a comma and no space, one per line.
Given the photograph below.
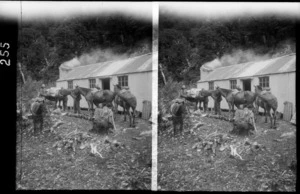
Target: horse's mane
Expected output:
[227,91]
[85,89]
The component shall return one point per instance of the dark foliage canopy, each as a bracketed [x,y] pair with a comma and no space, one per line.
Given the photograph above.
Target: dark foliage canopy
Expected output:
[44,44]
[185,44]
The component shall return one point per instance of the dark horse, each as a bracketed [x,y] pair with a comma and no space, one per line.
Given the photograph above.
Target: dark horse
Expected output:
[118,102]
[62,96]
[129,101]
[101,96]
[245,98]
[198,98]
[269,101]
[216,96]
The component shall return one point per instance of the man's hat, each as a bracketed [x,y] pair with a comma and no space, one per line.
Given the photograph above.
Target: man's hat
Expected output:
[183,86]
[43,85]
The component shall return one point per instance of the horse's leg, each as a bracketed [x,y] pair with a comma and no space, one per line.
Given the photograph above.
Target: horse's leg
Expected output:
[124,113]
[274,118]
[271,119]
[265,114]
[205,106]
[92,107]
[133,117]
[127,112]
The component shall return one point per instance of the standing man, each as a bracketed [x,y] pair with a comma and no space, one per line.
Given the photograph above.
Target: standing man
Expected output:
[183,91]
[217,102]
[42,91]
[77,98]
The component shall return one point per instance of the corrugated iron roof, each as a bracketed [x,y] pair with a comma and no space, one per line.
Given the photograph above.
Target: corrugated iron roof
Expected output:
[282,64]
[131,65]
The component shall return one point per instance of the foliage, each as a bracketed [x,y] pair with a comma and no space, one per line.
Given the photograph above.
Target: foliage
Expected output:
[45,44]
[186,44]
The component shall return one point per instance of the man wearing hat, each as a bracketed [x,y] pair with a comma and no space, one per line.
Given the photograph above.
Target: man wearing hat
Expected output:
[183,91]
[42,91]
[77,98]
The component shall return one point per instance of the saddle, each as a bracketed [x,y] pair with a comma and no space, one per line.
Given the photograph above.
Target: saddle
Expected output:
[94,90]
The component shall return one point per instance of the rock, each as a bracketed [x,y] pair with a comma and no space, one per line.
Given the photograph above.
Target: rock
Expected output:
[146,133]
[57,124]
[223,147]
[57,111]
[288,134]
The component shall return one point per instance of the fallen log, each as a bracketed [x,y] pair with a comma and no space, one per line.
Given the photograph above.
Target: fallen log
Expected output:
[221,117]
[79,116]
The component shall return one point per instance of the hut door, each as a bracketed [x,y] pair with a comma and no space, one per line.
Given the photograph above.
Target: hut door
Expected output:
[247,85]
[105,84]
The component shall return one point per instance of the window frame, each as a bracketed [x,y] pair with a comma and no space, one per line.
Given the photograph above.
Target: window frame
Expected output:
[92,83]
[211,85]
[233,84]
[264,82]
[122,81]
[70,83]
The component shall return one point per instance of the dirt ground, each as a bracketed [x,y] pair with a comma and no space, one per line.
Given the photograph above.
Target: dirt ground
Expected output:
[271,167]
[44,165]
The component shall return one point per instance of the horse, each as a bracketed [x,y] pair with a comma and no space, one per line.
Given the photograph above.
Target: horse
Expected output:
[177,110]
[237,99]
[38,110]
[270,102]
[260,103]
[216,96]
[119,102]
[61,96]
[100,96]
[129,101]
[196,98]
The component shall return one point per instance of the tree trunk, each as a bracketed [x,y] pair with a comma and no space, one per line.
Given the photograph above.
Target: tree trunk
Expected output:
[23,78]
[162,73]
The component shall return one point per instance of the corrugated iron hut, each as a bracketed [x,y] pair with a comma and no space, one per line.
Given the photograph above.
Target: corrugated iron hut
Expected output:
[278,74]
[135,73]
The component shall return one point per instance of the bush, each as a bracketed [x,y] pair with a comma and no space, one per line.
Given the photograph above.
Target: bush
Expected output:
[28,91]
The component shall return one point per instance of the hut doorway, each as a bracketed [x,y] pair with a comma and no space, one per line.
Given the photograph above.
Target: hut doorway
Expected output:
[105,84]
[247,84]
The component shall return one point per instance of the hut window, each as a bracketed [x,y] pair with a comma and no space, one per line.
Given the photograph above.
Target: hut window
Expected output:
[123,81]
[70,85]
[233,84]
[264,82]
[92,83]
[210,85]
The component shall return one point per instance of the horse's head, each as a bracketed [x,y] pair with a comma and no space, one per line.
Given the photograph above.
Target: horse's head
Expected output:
[117,87]
[258,88]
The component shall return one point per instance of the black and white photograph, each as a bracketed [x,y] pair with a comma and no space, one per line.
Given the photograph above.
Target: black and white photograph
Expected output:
[84,93]
[227,96]
[151,96]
